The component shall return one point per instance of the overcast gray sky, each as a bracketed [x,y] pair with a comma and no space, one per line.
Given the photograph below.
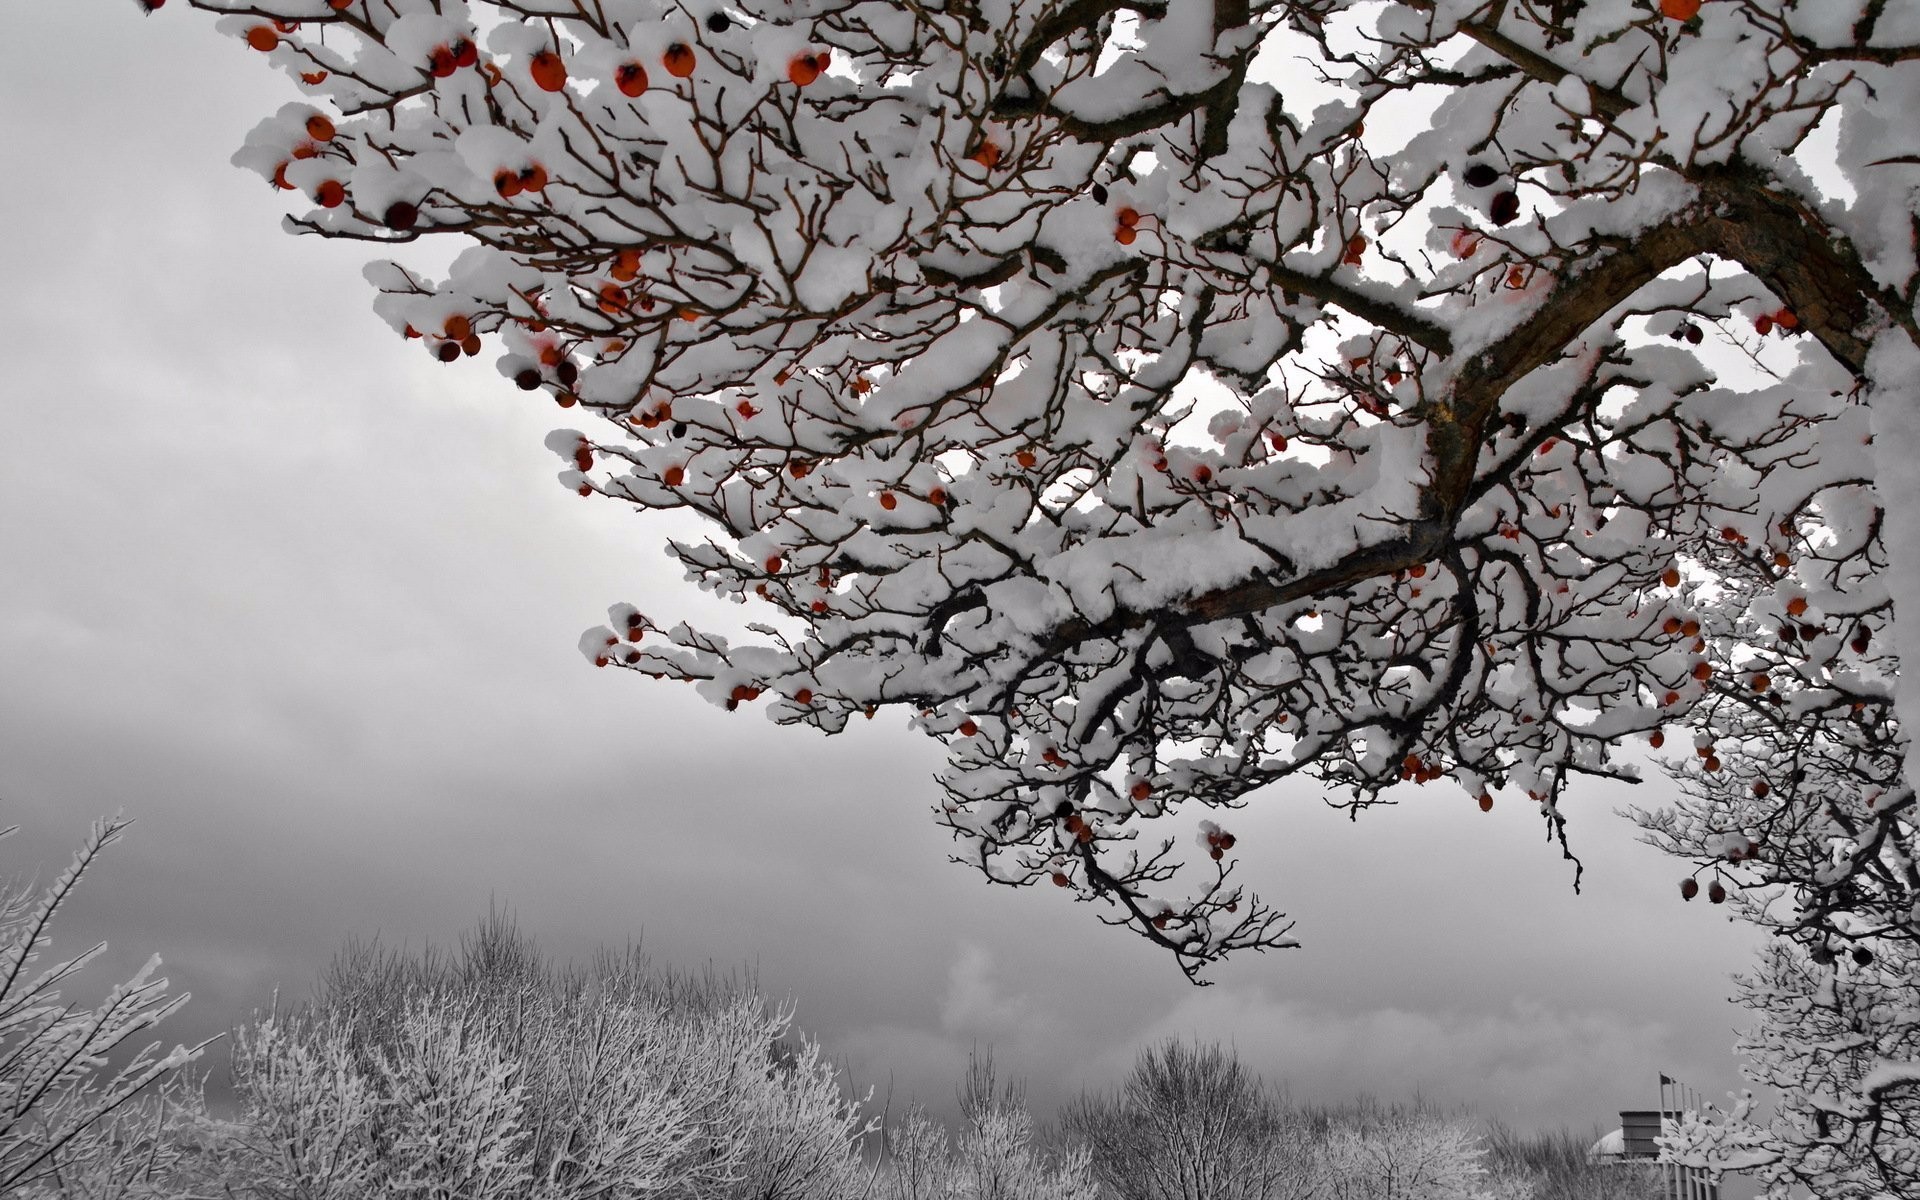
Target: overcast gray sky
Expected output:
[305,602]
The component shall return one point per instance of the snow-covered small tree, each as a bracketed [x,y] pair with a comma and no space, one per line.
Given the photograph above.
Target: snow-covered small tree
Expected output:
[998,1154]
[1402,1155]
[1190,1122]
[71,1123]
[1834,1041]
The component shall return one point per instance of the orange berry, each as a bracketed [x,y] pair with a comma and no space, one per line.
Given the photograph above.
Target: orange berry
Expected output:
[1060,880]
[1656,739]
[548,72]
[888,502]
[673,476]
[1672,625]
[1127,217]
[507,183]
[1796,606]
[471,345]
[330,194]
[1679,10]
[319,128]
[1690,628]
[262,38]
[803,69]
[630,78]
[678,60]
[1486,802]
[533,179]
[968,728]
[1124,235]
[1025,458]
[457,328]
[626,265]
[1141,790]
[803,696]
[280,178]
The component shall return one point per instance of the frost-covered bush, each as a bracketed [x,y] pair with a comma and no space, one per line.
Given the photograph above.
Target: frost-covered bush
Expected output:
[998,1154]
[1560,1166]
[489,1074]
[1402,1155]
[72,1123]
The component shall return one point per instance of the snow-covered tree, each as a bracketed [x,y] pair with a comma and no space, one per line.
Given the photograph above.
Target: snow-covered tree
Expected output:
[1402,1155]
[1189,1122]
[1162,399]
[72,1122]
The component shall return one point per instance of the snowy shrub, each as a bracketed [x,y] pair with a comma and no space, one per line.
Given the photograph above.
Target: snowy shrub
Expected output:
[1558,1166]
[1402,1155]
[73,1125]
[491,1075]
[997,1155]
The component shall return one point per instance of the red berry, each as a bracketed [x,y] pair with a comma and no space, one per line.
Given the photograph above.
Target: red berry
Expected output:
[548,72]
[630,78]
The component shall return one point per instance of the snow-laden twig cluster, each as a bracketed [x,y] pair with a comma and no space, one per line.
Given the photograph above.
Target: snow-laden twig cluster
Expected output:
[73,1121]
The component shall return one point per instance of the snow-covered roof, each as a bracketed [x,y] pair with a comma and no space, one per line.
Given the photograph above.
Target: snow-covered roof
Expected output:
[1613,1145]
